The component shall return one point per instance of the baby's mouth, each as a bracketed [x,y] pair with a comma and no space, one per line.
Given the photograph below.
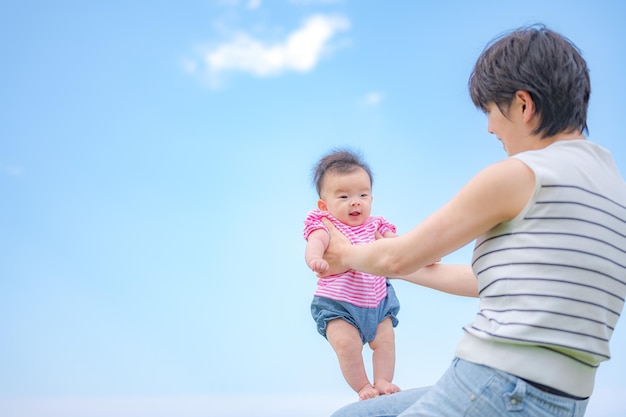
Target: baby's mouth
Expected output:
[355,213]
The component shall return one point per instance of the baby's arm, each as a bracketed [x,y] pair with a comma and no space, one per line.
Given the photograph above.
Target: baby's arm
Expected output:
[388,233]
[316,245]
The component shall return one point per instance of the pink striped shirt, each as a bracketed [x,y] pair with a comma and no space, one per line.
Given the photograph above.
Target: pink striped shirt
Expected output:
[354,287]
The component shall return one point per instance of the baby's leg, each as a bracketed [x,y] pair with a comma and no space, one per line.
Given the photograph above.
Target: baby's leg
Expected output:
[346,341]
[384,357]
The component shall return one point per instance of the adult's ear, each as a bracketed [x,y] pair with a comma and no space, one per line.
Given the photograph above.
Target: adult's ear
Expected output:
[526,103]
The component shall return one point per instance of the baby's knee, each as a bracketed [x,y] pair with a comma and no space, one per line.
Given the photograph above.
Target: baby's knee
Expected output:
[346,344]
[385,338]
[344,337]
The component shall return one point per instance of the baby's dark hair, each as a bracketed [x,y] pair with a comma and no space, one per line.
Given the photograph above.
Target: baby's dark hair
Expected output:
[342,161]
[546,65]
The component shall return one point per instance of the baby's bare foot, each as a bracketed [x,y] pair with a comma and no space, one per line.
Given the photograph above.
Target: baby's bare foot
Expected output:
[385,387]
[368,392]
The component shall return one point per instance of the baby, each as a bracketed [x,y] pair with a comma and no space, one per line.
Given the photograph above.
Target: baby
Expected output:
[352,308]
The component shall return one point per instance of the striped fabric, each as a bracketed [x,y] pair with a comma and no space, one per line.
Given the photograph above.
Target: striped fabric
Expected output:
[554,278]
[357,288]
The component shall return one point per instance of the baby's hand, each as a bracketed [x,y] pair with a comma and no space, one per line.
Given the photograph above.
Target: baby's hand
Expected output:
[319,265]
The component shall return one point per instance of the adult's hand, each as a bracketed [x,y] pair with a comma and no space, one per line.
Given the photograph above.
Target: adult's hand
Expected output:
[335,251]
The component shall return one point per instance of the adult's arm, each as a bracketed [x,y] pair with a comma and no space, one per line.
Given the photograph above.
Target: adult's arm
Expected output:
[496,194]
[453,279]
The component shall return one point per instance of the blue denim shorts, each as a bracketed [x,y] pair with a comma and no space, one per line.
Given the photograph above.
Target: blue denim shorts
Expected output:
[469,390]
[366,320]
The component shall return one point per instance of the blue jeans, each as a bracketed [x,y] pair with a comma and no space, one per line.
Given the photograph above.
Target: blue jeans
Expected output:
[469,390]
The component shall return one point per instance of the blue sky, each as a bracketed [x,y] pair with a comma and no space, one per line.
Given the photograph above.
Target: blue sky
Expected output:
[154,173]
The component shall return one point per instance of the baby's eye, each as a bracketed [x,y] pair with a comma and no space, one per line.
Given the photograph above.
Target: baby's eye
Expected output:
[343,197]
[364,195]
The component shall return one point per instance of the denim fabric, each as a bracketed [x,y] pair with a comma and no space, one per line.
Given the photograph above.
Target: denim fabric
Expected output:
[365,320]
[384,406]
[469,390]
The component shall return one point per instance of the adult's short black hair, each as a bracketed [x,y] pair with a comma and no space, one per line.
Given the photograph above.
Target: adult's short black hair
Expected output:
[546,65]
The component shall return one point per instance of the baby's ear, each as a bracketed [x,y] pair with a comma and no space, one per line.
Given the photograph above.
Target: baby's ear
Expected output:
[322,205]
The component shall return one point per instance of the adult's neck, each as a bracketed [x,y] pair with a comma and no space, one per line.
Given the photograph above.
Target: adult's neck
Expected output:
[576,135]
[541,143]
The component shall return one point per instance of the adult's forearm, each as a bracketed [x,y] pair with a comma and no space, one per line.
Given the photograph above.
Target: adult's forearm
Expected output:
[391,257]
[452,279]
[377,258]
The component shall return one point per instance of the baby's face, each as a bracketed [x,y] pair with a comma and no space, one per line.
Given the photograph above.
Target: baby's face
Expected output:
[348,197]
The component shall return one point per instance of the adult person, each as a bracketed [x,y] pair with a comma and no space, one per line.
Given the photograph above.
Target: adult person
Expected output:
[549,224]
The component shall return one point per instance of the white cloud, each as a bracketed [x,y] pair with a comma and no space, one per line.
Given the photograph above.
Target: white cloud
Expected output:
[253,4]
[300,51]
[373,98]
